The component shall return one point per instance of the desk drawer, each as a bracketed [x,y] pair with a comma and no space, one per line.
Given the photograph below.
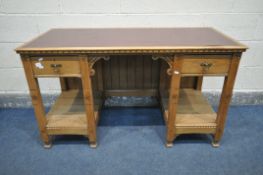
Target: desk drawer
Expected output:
[205,65]
[56,67]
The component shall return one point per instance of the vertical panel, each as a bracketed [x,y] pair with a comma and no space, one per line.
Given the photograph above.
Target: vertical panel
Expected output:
[123,72]
[107,74]
[155,74]
[147,72]
[94,78]
[99,72]
[131,72]
[74,83]
[188,82]
[115,73]
[139,72]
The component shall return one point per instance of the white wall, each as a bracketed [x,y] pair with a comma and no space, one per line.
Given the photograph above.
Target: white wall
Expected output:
[20,20]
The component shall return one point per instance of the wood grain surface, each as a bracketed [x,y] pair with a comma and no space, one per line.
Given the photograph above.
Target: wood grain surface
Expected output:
[130,38]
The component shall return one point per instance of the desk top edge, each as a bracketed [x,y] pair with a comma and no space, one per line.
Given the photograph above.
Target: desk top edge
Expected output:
[235,46]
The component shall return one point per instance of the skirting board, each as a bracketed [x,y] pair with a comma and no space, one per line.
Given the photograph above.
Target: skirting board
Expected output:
[23,100]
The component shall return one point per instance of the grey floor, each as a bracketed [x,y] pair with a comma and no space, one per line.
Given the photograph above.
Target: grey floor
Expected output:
[131,141]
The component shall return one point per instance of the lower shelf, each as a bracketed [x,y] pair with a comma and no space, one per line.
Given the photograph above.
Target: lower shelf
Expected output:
[68,116]
[194,114]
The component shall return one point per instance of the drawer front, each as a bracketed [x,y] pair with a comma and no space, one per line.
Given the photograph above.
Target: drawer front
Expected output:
[56,67]
[205,65]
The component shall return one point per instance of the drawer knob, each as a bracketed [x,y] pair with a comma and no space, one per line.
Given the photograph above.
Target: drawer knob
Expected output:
[56,67]
[206,66]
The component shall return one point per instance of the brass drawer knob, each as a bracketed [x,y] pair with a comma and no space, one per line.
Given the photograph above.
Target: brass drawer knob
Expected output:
[206,66]
[56,67]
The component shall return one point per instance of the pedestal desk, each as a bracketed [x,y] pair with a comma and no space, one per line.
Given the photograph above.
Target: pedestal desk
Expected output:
[166,63]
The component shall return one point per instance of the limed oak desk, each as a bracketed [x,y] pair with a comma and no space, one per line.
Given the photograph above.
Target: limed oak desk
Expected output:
[167,63]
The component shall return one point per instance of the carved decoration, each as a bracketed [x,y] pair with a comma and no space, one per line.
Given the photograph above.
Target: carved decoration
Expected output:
[168,59]
[93,59]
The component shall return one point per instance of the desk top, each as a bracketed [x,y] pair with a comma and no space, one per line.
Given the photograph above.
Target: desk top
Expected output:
[110,39]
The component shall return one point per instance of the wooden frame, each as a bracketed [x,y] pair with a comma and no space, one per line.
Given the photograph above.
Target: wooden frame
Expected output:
[86,84]
[36,101]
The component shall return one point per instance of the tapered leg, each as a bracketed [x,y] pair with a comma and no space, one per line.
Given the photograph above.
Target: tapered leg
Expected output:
[215,144]
[36,101]
[88,99]
[173,101]
[63,83]
[226,99]
[162,90]
[199,83]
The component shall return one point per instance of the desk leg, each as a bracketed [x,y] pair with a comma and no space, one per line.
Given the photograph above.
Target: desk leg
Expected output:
[162,91]
[88,100]
[225,100]
[199,83]
[36,101]
[63,83]
[173,101]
